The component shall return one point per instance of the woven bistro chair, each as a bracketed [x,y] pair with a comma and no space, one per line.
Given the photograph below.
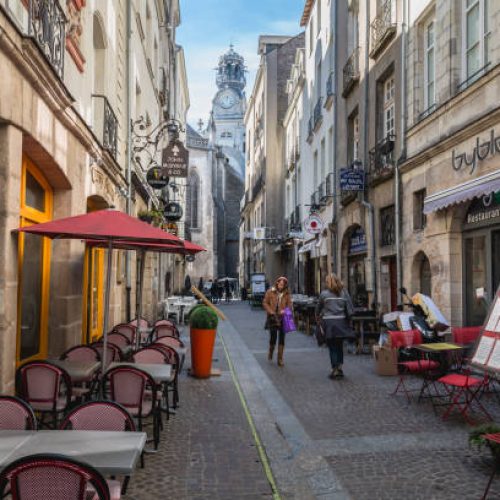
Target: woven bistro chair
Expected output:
[100,416]
[136,391]
[85,387]
[163,331]
[46,388]
[176,344]
[55,477]
[172,358]
[129,331]
[16,414]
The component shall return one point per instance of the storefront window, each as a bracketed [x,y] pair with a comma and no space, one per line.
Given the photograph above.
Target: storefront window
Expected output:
[475,277]
[356,268]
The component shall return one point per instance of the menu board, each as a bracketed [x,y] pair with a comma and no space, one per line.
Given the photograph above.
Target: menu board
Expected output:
[487,353]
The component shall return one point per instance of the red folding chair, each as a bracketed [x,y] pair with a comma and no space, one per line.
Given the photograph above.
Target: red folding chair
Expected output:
[421,366]
[461,391]
[495,439]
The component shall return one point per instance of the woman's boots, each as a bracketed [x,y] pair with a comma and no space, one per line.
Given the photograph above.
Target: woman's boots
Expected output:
[270,352]
[281,349]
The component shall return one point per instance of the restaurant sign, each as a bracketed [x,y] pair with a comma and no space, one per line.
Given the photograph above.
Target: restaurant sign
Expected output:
[175,160]
[352,179]
[357,241]
[484,211]
[490,147]
[156,178]
[173,211]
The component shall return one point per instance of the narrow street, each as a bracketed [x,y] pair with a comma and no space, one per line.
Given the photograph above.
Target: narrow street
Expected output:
[323,439]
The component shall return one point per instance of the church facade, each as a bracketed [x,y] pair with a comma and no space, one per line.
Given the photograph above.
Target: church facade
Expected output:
[217,173]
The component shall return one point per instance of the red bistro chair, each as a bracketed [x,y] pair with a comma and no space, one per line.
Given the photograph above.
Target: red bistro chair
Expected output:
[54,477]
[136,391]
[16,414]
[85,353]
[113,352]
[100,416]
[129,331]
[164,322]
[172,358]
[142,322]
[421,366]
[164,331]
[466,336]
[46,388]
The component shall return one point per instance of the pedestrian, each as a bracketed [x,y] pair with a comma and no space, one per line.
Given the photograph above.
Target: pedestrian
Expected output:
[275,301]
[244,293]
[227,290]
[201,285]
[334,309]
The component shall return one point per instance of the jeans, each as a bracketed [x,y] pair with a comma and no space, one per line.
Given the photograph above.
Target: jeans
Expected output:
[274,332]
[336,348]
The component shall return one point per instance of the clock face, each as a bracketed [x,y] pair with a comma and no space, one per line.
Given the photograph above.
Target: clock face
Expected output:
[226,100]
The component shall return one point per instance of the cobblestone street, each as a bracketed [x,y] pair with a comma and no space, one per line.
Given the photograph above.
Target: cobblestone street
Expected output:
[324,439]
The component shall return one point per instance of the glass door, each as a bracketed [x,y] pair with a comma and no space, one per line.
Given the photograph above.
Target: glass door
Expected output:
[33,266]
[476,276]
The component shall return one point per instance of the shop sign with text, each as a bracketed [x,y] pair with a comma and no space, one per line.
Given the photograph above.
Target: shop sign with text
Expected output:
[175,160]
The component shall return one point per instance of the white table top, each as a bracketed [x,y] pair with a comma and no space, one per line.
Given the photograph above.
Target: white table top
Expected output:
[109,452]
[77,369]
[159,372]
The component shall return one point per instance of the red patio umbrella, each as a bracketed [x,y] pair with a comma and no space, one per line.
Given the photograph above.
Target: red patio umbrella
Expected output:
[106,226]
[188,248]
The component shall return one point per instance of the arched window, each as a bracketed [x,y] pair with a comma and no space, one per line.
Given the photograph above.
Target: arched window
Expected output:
[193,200]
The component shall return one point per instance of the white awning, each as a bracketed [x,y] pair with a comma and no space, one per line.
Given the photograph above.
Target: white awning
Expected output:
[484,185]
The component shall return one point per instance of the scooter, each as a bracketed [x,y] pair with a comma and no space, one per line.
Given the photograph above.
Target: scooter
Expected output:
[417,319]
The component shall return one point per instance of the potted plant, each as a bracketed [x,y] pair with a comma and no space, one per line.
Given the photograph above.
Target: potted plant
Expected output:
[476,438]
[154,217]
[203,328]
[145,216]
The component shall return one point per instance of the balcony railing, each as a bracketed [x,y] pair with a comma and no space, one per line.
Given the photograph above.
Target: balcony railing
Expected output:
[315,201]
[383,27]
[329,184]
[382,159]
[329,90]
[322,192]
[351,72]
[47,26]
[318,114]
[105,124]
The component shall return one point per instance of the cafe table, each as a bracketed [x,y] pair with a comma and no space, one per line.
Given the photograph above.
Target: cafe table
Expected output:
[159,372]
[77,370]
[111,453]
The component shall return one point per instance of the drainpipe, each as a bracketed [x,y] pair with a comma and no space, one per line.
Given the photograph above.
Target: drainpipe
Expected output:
[128,54]
[402,156]
[335,253]
[364,196]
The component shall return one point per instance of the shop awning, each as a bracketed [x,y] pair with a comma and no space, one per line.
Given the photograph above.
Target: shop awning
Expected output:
[480,186]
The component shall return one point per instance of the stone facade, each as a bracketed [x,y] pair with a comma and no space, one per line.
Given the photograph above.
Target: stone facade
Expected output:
[63,136]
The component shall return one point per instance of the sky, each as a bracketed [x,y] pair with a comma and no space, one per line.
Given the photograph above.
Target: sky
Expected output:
[209,26]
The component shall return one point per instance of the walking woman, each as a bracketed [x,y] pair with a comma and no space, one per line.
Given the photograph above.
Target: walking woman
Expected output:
[334,309]
[275,301]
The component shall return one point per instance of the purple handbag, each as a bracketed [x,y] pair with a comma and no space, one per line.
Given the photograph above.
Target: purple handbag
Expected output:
[287,322]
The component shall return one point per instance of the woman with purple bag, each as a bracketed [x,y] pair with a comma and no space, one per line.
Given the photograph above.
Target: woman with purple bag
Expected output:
[276,301]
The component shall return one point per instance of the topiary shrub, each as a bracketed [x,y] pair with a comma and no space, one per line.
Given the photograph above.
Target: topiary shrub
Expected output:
[195,308]
[203,318]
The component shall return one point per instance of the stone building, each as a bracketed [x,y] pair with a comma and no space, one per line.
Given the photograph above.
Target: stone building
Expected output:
[262,221]
[451,177]
[217,174]
[68,92]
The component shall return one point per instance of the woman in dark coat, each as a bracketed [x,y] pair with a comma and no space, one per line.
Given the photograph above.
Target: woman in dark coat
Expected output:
[275,301]
[334,309]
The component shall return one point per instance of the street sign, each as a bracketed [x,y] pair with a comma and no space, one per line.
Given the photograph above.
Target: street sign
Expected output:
[352,179]
[299,235]
[156,179]
[173,211]
[175,160]
[313,224]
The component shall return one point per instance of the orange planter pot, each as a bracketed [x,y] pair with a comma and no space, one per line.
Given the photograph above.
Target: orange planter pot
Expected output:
[202,348]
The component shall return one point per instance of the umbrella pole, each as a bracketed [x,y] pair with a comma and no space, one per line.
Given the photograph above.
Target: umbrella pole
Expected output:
[106,311]
[138,307]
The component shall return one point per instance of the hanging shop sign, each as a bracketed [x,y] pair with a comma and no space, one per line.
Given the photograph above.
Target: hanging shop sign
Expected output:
[175,160]
[259,233]
[490,147]
[313,224]
[156,179]
[172,228]
[483,211]
[173,211]
[190,258]
[352,179]
[357,241]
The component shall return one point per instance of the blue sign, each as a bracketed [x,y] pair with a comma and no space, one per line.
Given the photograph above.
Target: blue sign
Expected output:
[357,241]
[352,179]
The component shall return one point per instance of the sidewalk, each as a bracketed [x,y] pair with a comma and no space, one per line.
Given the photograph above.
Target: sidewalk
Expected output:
[207,450]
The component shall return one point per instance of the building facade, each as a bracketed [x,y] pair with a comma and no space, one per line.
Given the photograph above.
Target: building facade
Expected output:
[73,77]
[262,221]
